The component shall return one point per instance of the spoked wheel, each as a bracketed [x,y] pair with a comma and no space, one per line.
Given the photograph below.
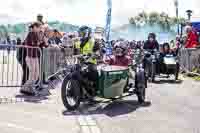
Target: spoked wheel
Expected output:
[71,94]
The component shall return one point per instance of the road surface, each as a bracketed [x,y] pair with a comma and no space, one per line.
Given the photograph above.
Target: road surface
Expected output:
[170,108]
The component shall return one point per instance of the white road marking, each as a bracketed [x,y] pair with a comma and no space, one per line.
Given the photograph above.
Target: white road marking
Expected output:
[87,123]
[82,121]
[90,121]
[95,129]
[85,129]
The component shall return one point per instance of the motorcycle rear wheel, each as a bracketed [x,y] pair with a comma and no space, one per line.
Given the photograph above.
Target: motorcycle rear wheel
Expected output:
[140,86]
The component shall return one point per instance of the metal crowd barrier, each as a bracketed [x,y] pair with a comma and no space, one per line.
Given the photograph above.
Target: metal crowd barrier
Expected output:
[190,60]
[14,70]
[55,59]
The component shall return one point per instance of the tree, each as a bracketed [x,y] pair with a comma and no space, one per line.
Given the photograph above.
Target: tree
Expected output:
[163,20]
[132,21]
[153,18]
[144,16]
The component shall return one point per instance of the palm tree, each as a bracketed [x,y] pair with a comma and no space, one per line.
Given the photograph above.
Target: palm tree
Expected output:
[153,18]
[144,16]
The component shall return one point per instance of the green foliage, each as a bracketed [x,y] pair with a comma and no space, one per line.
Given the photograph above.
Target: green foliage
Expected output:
[154,18]
[197,78]
[20,29]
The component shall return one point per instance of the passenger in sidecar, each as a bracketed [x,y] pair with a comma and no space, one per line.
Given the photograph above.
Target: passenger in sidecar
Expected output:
[167,62]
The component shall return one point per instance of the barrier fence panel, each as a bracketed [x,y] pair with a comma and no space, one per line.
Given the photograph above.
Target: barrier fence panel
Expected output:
[190,59]
[17,65]
[55,58]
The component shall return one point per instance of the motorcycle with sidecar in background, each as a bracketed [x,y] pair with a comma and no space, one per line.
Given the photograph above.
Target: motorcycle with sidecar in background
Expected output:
[155,64]
[86,80]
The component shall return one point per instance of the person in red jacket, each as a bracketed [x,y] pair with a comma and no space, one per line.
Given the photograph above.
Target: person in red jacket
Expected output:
[120,57]
[192,38]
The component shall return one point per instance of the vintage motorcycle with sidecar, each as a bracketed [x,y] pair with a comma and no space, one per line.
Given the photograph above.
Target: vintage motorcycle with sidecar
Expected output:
[155,64]
[86,80]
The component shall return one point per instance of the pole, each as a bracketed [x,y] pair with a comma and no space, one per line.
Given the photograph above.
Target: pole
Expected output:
[177,14]
[108,23]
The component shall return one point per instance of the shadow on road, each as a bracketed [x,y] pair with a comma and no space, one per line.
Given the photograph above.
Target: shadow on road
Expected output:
[112,109]
[168,81]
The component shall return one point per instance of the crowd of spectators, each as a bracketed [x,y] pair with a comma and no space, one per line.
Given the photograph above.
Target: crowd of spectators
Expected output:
[41,36]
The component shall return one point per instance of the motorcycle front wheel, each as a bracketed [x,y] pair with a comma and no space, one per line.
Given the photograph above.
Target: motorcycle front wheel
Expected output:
[71,94]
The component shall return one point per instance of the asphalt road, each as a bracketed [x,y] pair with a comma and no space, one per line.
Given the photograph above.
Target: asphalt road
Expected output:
[170,108]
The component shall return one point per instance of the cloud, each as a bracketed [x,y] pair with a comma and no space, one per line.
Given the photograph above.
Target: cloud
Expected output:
[89,11]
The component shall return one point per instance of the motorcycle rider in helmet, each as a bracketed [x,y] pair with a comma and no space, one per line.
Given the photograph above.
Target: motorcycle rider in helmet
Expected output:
[87,44]
[151,43]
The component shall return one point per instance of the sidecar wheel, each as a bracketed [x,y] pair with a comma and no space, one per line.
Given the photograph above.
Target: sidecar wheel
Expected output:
[70,93]
[153,72]
[177,72]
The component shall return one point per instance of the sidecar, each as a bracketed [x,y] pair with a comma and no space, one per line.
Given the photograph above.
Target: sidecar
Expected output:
[167,66]
[114,81]
[170,66]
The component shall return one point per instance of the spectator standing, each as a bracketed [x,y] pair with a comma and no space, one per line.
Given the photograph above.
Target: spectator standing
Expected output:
[21,58]
[43,43]
[55,38]
[40,19]
[192,38]
[32,40]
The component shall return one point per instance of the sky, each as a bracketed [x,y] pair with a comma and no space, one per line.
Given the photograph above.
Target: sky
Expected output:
[92,12]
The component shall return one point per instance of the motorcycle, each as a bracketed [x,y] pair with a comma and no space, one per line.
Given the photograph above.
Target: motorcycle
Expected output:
[87,81]
[150,62]
[170,66]
[156,65]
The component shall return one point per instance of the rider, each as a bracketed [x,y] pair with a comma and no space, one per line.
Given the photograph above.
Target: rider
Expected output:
[87,43]
[151,43]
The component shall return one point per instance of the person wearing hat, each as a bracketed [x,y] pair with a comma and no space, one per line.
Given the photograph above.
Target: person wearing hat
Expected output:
[40,19]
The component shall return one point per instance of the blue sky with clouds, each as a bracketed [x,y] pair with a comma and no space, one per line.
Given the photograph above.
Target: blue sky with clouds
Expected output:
[88,11]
